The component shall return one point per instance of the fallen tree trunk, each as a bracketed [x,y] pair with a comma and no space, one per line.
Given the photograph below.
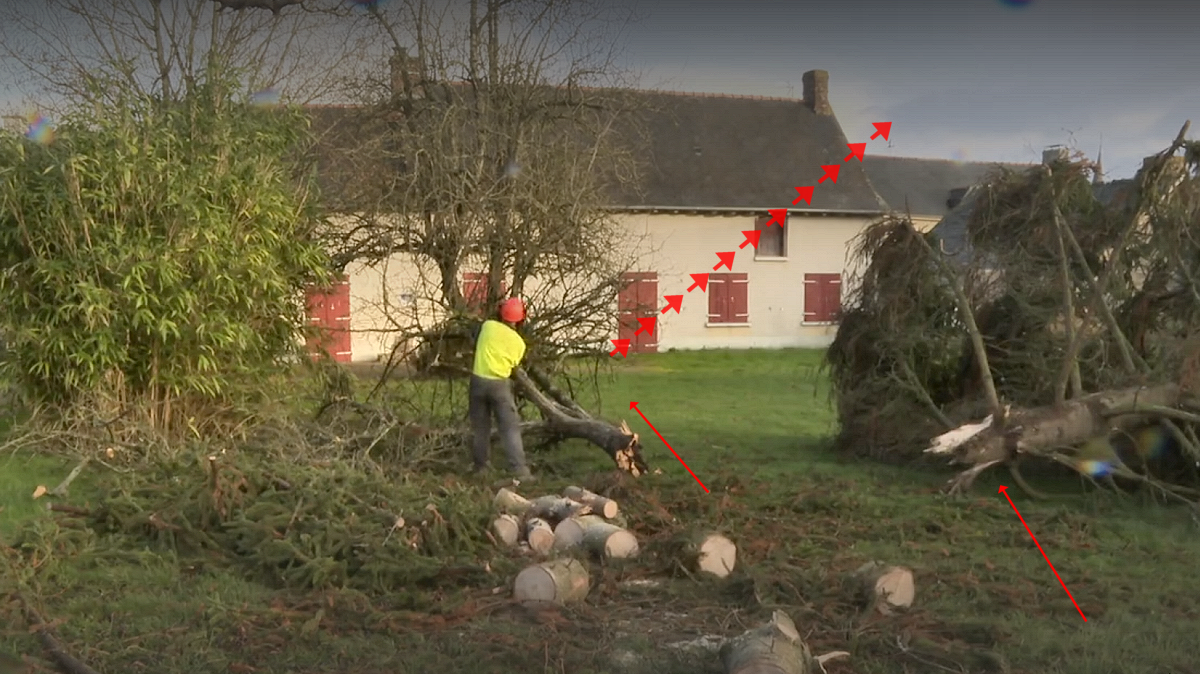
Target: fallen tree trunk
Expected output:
[1038,430]
[774,648]
[571,421]
[558,581]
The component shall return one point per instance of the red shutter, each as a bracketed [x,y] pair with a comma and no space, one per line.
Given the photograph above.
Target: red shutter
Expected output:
[822,297]
[474,288]
[739,298]
[813,304]
[833,297]
[718,291]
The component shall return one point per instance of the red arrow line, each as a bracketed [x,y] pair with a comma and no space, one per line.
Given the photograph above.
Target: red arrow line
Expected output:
[633,406]
[1004,490]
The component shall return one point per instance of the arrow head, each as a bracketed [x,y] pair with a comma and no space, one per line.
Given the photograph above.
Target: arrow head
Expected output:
[699,281]
[831,172]
[633,406]
[622,347]
[881,129]
[726,260]
[647,325]
[1004,490]
[752,238]
[673,302]
[806,193]
[856,150]
[779,215]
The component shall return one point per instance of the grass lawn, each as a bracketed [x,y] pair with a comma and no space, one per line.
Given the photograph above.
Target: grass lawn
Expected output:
[754,427]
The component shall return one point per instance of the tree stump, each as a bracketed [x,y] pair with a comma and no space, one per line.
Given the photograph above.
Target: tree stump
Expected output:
[557,581]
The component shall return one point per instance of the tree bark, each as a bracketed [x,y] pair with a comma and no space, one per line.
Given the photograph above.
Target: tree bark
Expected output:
[621,444]
[774,648]
[1035,431]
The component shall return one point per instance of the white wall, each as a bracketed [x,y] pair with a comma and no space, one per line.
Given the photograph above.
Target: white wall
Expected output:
[688,244]
[674,246]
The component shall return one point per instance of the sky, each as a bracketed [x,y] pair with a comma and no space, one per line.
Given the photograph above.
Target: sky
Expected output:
[977,80]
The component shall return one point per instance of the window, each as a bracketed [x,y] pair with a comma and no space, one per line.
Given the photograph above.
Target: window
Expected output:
[772,242]
[728,296]
[822,298]
[474,289]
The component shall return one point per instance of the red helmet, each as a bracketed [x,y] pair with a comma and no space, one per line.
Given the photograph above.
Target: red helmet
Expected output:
[512,310]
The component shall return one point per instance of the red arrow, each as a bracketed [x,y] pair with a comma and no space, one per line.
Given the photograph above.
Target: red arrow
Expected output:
[699,281]
[726,260]
[647,326]
[673,302]
[856,150]
[778,215]
[831,171]
[622,347]
[752,238]
[1004,490]
[881,129]
[805,194]
[633,406]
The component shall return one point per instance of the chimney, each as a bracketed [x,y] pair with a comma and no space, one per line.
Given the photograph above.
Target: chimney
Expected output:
[816,92]
[401,64]
[1054,154]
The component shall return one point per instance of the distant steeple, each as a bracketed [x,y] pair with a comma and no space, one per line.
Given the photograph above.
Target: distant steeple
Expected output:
[1098,176]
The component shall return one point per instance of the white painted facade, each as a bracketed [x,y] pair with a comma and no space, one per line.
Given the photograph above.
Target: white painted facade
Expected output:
[400,292]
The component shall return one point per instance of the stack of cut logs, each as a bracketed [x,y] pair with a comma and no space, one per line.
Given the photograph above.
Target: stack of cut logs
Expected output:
[580,520]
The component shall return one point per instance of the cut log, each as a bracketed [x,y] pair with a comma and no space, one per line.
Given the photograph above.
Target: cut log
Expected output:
[609,541]
[569,532]
[571,421]
[539,534]
[509,501]
[1039,430]
[508,529]
[556,508]
[710,553]
[558,581]
[885,588]
[599,504]
[774,648]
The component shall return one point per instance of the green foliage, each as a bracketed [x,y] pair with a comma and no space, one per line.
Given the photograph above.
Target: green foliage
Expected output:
[154,251]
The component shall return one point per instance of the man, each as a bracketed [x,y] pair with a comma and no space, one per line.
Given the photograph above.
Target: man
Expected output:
[498,350]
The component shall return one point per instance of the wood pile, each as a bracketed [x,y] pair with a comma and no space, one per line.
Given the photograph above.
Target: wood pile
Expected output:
[578,526]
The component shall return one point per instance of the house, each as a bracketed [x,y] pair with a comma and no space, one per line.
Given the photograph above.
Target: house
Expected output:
[927,189]
[716,163]
[952,230]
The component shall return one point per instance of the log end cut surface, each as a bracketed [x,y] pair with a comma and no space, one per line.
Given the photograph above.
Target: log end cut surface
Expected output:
[558,581]
[718,555]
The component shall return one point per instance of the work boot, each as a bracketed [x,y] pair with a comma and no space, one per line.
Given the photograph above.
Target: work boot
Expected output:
[525,476]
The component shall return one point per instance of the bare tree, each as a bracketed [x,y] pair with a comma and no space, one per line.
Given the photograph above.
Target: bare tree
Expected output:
[502,137]
[63,51]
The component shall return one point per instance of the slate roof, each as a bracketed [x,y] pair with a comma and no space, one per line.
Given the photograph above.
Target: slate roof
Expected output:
[726,152]
[701,152]
[925,184]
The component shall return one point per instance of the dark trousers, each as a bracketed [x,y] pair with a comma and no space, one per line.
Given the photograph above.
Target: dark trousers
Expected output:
[488,397]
